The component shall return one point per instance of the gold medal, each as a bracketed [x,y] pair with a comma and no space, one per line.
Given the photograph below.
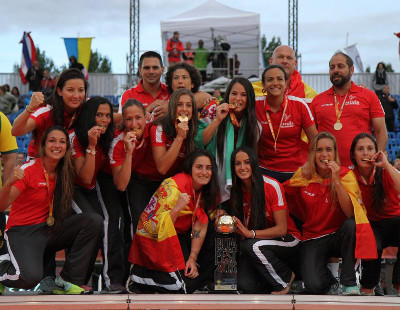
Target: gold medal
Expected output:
[50,220]
[338,126]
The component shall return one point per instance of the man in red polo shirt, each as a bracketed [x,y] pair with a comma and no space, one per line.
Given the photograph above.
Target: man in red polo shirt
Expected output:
[347,109]
[150,91]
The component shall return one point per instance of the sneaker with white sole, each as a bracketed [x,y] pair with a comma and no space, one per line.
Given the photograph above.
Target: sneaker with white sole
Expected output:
[47,285]
[350,290]
[67,288]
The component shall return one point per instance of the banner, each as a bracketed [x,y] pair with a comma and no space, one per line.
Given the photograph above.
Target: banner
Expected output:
[28,55]
[80,48]
[352,51]
[397,34]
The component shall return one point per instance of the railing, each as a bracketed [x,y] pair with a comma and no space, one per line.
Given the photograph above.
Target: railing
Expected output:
[114,84]
[320,81]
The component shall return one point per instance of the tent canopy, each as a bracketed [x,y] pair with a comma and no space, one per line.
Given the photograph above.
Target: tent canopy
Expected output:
[212,20]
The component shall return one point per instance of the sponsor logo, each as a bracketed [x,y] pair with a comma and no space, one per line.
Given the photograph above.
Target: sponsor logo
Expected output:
[289,124]
[286,117]
[309,193]
[353,102]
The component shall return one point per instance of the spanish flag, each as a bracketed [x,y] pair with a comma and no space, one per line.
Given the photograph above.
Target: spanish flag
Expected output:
[365,238]
[156,245]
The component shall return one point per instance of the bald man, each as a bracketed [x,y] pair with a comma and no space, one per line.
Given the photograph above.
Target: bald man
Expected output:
[285,56]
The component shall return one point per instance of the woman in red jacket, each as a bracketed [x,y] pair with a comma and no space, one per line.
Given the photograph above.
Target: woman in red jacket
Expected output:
[282,119]
[270,239]
[41,220]
[131,159]
[165,252]
[326,204]
[61,108]
[379,182]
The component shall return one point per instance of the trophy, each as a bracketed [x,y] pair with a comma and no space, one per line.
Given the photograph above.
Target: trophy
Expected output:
[225,275]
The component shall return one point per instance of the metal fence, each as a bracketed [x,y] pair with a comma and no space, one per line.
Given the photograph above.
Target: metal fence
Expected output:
[321,82]
[103,84]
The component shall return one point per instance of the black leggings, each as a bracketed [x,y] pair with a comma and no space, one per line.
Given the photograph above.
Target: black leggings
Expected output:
[117,242]
[106,201]
[139,192]
[316,252]
[387,233]
[264,264]
[23,266]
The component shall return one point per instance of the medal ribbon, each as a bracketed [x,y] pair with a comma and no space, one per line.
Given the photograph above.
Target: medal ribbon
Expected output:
[270,122]
[197,205]
[247,217]
[234,120]
[339,112]
[371,177]
[51,201]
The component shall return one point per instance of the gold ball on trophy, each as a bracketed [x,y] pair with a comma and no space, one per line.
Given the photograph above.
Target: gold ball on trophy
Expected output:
[225,224]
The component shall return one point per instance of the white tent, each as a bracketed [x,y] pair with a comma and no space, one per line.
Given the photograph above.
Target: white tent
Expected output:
[210,20]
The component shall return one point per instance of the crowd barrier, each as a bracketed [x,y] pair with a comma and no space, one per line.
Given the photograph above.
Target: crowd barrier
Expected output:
[104,84]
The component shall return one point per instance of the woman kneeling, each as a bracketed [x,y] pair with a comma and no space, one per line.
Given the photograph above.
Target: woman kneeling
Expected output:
[326,204]
[269,237]
[172,228]
[41,220]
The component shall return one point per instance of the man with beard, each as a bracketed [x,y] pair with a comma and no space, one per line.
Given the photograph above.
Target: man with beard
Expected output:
[347,109]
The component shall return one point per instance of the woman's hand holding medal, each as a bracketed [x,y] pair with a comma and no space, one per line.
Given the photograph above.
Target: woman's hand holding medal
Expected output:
[130,141]
[182,126]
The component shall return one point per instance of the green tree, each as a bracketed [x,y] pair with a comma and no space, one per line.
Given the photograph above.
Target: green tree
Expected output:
[389,67]
[368,69]
[44,61]
[99,63]
[268,49]
[16,67]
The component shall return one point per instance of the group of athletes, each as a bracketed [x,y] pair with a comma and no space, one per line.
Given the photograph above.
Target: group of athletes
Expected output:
[302,175]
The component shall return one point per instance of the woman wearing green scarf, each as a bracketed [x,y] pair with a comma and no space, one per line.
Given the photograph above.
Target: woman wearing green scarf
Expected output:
[235,125]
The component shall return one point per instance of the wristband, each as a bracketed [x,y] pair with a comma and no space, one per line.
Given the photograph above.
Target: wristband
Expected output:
[254,233]
[28,110]
[92,152]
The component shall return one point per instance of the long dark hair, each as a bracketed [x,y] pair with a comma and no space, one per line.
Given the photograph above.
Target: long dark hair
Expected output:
[168,122]
[209,192]
[258,218]
[65,179]
[378,190]
[251,130]
[56,101]
[380,76]
[87,119]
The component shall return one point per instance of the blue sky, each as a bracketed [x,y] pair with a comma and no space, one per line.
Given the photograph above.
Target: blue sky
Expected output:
[322,27]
